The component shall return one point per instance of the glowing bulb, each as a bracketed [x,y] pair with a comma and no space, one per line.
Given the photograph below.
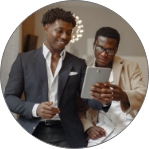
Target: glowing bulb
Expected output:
[81,31]
[80,21]
[77,17]
[78,35]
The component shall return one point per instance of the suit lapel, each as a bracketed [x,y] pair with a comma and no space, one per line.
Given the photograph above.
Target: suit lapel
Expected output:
[63,75]
[117,67]
[41,71]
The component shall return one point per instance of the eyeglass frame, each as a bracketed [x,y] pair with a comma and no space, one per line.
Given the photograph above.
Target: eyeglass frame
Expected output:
[105,50]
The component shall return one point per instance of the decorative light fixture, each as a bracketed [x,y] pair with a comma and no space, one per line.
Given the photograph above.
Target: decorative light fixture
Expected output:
[77,30]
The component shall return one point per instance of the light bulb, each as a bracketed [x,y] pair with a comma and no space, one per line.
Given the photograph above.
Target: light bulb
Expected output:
[77,17]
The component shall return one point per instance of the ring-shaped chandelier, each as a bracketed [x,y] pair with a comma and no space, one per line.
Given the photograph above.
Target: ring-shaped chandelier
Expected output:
[77,30]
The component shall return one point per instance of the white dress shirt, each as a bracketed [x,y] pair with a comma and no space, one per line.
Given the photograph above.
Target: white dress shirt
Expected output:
[52,80]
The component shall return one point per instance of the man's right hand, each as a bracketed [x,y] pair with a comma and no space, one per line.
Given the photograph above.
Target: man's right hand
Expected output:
[96,132]
[46,111]
[97,91]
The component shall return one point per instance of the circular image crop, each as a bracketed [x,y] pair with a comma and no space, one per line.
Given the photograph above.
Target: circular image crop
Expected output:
[74,74]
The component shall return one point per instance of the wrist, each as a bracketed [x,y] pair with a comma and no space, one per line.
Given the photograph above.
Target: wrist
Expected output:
[34,110]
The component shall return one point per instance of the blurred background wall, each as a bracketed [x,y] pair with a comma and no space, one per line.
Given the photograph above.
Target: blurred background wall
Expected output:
[93,16]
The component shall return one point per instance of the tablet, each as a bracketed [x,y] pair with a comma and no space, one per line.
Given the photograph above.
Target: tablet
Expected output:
[92,76]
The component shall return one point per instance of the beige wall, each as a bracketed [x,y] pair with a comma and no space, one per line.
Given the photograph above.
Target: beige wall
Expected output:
[11,51]
[28,27]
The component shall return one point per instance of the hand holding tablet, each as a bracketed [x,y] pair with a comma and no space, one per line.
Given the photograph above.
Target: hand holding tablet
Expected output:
[94,75]
[98,91]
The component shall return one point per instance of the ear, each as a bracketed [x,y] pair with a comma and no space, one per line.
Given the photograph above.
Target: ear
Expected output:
[116,50]
[93,44]
[46,27]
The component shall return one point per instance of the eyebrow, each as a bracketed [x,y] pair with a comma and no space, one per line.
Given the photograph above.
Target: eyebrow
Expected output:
[104,48]
[63,28]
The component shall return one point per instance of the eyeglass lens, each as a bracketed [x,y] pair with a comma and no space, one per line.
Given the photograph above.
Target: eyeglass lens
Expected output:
[108,51]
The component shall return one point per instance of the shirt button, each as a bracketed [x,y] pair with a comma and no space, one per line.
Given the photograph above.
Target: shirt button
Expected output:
[34,127]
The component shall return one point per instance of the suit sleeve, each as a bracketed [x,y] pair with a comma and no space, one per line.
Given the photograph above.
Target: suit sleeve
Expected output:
[137,93]
[14,90]
[94,104]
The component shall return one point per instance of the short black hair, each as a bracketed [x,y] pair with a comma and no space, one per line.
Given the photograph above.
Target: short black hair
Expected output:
[58,13]
[108,32]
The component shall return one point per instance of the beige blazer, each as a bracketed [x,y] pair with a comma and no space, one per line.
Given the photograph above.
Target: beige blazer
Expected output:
[127,75]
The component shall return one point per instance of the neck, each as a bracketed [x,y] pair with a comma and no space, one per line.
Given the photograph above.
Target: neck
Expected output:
[55,53]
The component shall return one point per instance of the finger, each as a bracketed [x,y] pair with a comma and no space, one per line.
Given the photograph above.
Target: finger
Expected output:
[95,88]
[50,103]
[107,90]
[102,129]
[103,132]
[110,91]
[109,95]
[96,94]
[50,108]
[92,137]
[47,103]
[99,136]
[96,132]
[93,134]
[111,99]
[99,99]
[101,85]
[44,111]
[111,85]
[55,109]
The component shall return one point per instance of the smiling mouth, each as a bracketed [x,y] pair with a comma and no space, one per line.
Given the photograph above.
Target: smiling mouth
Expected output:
[63,43]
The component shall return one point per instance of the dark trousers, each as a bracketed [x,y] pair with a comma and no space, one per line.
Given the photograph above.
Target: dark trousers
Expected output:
[52,134]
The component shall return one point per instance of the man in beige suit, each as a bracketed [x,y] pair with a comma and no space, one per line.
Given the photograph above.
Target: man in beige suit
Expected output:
[125,90]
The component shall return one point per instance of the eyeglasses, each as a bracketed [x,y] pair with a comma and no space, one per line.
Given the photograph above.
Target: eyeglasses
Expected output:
[108,51]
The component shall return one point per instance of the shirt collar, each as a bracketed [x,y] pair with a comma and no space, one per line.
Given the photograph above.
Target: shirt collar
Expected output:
[46,52]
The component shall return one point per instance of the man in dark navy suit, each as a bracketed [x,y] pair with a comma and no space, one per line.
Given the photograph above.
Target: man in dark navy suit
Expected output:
[50,78]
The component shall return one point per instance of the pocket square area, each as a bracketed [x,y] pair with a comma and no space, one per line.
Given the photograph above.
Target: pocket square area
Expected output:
[73,73]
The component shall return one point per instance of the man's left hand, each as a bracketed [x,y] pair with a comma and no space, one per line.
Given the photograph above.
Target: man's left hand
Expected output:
[113,92]
[108,92]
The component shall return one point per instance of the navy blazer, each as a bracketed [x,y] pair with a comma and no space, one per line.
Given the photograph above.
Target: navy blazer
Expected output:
[29,74]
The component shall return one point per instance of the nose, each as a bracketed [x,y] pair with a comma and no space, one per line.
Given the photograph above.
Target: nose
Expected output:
[104,54]
[64,36]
